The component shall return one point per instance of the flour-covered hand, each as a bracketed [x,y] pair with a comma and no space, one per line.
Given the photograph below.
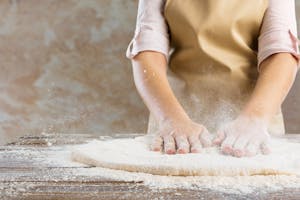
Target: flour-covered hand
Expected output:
[181,137]
[244,136]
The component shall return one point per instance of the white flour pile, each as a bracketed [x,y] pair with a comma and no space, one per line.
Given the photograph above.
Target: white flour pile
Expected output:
[133,155]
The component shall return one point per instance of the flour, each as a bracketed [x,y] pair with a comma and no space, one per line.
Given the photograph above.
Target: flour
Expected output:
[224,184]
[133,155]
[54,164]
[221,184]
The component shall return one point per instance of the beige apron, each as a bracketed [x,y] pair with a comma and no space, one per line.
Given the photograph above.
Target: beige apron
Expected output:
[212,65]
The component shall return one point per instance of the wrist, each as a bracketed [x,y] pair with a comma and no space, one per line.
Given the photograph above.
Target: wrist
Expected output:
[175,120]
[259,109]
[255,114]
[253,120]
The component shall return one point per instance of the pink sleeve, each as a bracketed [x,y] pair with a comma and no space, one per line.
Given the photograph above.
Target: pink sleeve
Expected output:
[151,32]
[279,30]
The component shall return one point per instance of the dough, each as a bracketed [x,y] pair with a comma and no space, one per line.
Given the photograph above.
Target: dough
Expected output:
[133,155]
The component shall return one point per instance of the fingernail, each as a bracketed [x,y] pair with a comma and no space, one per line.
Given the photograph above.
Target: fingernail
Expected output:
[170,151]
[227,150]
[238,153]
[195,150]
[217,141]
[156,149]
[182,151]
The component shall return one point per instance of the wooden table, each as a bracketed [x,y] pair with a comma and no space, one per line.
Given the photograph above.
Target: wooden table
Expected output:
[29,170]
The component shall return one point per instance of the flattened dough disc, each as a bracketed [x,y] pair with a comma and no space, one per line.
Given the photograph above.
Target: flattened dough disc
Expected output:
[133,154]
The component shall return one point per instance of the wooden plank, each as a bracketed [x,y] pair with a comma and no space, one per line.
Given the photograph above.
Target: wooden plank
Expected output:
[31,157]
[62,139]
[32,168]
[72,182]
[78,174]
[130,191]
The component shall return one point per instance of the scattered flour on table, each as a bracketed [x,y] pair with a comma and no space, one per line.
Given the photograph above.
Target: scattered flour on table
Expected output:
[224,184]
[59,158]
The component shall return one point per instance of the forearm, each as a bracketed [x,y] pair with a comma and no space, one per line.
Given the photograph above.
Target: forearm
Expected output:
[276,77]
[150,77]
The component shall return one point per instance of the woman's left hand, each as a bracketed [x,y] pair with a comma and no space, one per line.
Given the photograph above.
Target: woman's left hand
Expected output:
[244,136]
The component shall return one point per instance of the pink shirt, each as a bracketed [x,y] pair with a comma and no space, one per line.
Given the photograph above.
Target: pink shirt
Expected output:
[278,32]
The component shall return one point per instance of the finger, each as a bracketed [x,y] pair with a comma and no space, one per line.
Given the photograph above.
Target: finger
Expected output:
[239,147]
[205,138]
[227,144]
[169,144]
[252,147]
[195,143]
[182,144]
[220,137]
[156,144]
[265,148]
[265,145]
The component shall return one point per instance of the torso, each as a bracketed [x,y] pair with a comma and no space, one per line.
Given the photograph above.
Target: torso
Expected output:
[213,65]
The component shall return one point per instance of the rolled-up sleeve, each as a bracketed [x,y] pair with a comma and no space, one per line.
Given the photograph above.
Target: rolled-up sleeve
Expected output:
[151,32]
[279,30]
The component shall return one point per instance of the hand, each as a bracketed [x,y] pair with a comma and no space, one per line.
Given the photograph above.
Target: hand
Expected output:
[182,137]
[244,136]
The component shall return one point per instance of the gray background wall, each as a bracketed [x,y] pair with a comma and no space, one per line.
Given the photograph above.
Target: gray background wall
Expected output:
[63,69]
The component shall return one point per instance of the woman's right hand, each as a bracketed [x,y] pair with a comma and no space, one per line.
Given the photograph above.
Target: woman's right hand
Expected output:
[184,136]
[179,133]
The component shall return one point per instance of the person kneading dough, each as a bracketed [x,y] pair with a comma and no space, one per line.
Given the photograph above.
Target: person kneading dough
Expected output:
[217,66]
